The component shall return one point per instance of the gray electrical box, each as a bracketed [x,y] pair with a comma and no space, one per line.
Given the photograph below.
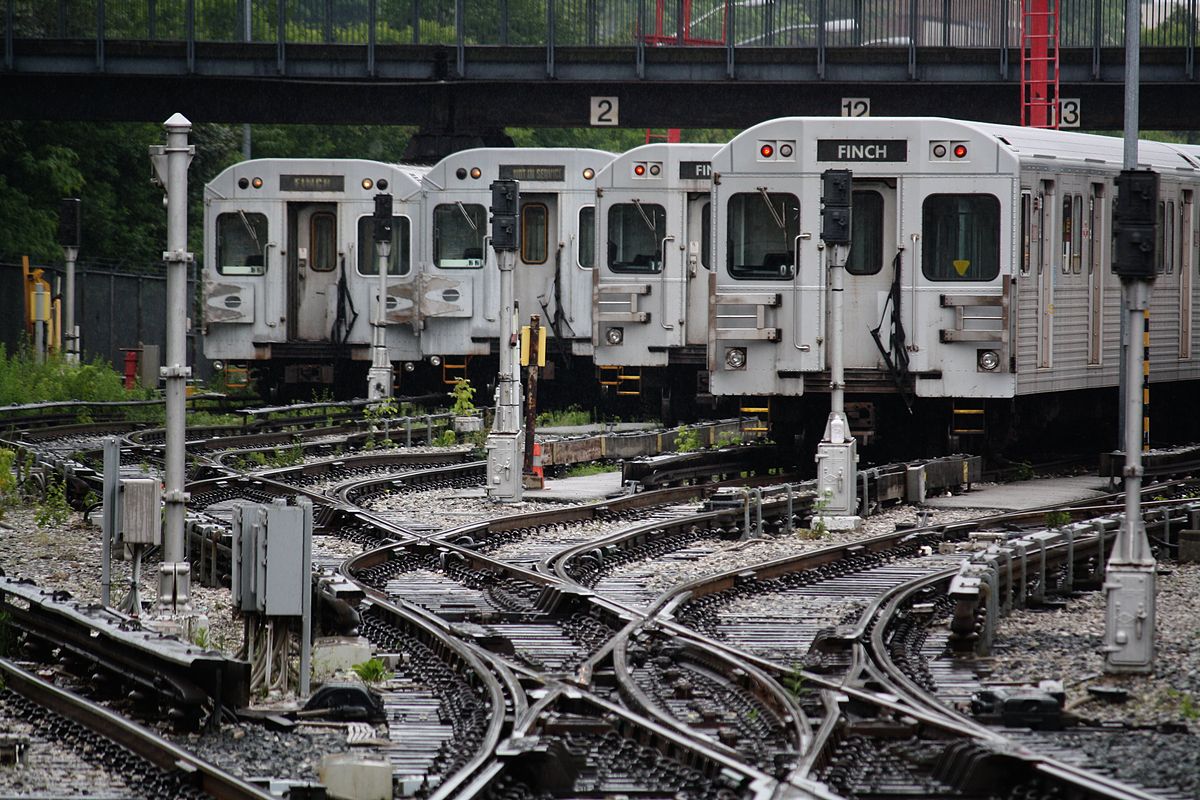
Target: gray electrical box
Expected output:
[1130,618]
[141,511]
[835,478]
[272,546]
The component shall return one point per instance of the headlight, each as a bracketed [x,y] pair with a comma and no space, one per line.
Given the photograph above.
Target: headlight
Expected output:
[735,358]
[218,365]
[614,335]
[409,366]
[435,361]
[989,360]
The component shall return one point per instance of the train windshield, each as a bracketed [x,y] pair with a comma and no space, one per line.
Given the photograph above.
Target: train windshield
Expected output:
[399,261]
[458,231]
[866,233]
[534,233]
[961,237]
[241,243]
[635,232]
[762,232]
[587,237]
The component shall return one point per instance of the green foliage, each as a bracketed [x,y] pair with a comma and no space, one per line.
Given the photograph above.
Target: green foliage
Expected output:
[201,638]
[384,408]
[1187,707]
[1056,519]
[728,439]
[464,398]
[1023,471]
[794,682]
[24,380]
[687,440]
[573,415]
[8,479]
[446,438]
[590,468]
[53,511]
[372,672]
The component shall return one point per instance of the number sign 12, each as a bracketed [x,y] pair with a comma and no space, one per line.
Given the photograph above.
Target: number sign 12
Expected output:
[604,111]
[856,106]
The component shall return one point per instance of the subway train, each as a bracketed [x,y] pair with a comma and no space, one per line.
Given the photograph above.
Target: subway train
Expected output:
[979,299]
[291,281]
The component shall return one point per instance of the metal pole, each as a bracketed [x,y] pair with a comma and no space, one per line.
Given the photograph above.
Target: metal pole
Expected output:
[379,376]
[112,511]
[247,25]
[171,164]
[531,392]
[70,337]
[1129,579]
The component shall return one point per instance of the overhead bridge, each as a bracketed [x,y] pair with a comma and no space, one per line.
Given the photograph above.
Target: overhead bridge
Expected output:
[455,65]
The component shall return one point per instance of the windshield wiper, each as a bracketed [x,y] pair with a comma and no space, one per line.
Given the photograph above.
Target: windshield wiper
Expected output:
[778,217]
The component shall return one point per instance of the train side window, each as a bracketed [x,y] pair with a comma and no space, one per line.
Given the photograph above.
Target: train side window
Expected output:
[1169,238]
[866,233]
[706,236]
[1068,229]
[534,233]
[587,237]
[960,237]
[323,242]
[635,234]
[1159,232]
[1026,222]
[761,235]
[458,231]
[1080,234]
[241,243]
[400,259]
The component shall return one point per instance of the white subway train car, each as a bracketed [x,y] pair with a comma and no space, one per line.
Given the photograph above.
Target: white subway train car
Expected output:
[290,272]
[459,325]
[652,276]
[978,290]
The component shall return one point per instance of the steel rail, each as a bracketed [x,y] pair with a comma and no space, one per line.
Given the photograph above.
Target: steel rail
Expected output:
[158,751]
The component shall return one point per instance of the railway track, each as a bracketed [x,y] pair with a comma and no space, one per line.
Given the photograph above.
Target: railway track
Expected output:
[529,649]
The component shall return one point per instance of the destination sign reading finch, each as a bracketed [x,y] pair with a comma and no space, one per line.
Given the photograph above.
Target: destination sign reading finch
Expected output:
[862,150]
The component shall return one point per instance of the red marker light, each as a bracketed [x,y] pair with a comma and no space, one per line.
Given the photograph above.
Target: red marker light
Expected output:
[639,170]
[960,151]
[766,151]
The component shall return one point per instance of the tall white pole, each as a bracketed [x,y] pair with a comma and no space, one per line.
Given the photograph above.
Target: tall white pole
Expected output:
[380,376]
[174,597]
[1129,578]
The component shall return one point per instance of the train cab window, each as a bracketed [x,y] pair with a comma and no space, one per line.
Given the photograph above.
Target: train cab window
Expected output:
[706,236]
[635,234]
[587,237]
[458,231]
[323,242]
[241,243]
[866,233]
[761,235]
[960,237]
[399,260]
[534,233]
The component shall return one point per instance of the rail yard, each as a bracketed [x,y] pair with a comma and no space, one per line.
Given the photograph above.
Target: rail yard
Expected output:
[681,627]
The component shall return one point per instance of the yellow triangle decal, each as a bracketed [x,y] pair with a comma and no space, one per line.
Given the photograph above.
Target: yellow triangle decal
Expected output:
[961,266]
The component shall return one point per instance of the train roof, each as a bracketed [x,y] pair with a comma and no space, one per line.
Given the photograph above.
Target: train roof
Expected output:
[317,176]
[1026,145]
[670,154]
[564,167]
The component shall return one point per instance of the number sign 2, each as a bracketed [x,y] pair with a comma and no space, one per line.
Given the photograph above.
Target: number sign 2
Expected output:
[604,111]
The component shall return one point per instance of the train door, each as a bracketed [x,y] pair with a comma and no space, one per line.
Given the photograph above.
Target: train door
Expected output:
[870,273]
[698,266]
[312,270]
[1045,266]
[1186,264]
[1097,237]
[539,289]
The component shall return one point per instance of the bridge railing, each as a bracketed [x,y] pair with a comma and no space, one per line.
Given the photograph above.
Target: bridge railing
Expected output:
[592,23]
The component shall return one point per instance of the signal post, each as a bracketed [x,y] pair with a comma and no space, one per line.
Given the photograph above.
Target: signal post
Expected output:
[505,443]
[837,454]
